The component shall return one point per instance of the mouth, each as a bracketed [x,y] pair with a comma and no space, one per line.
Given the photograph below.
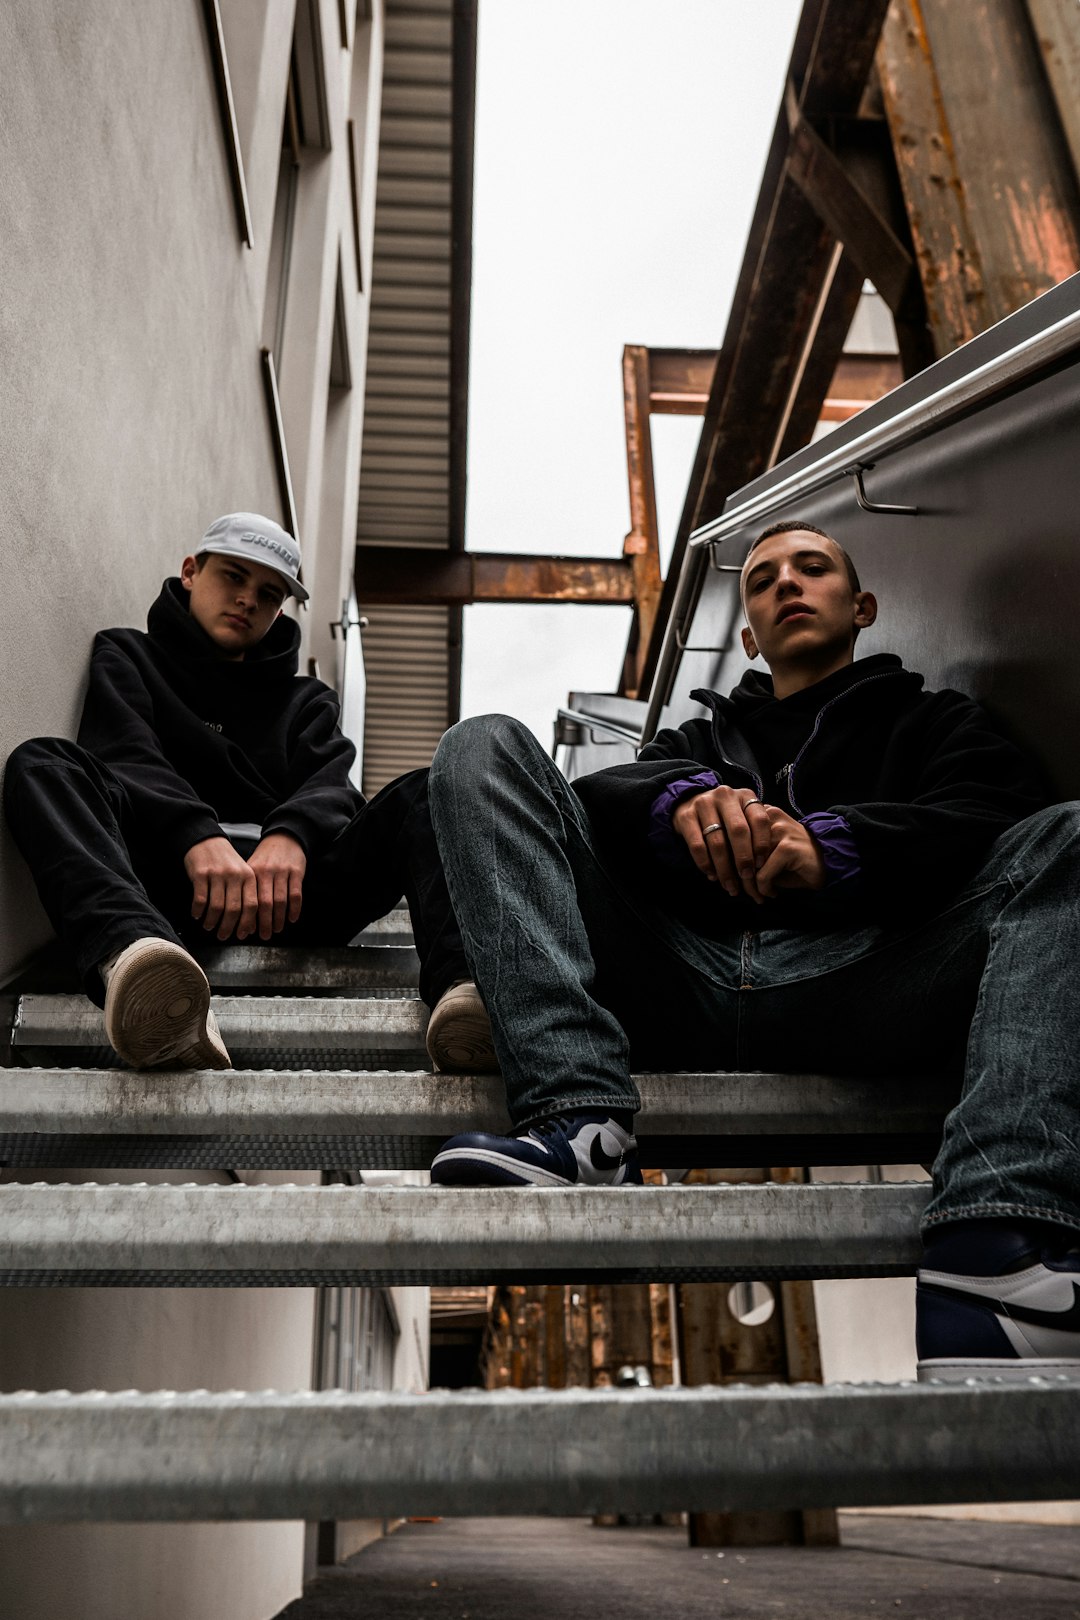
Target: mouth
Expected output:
[794,610]
[237,622]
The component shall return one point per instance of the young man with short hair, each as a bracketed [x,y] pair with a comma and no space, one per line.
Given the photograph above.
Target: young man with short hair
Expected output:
[208,794]
[834,870]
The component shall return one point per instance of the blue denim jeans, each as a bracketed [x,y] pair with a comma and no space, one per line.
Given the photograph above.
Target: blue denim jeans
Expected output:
[579,971]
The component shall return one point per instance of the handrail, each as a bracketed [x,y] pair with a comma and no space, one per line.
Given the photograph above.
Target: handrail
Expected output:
[838,461]
[917,418]
[591,723]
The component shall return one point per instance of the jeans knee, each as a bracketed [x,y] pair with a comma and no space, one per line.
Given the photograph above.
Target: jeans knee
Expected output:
[480,743]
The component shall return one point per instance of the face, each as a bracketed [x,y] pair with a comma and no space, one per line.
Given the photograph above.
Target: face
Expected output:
[800,608]
[235,602]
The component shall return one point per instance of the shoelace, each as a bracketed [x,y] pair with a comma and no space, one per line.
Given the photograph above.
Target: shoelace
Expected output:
[550,1127]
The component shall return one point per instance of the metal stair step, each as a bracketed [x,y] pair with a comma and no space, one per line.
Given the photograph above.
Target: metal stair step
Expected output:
[134,1457]
[226,1236]
[325,970]
[393,929]
[250,1023]
[288,1119]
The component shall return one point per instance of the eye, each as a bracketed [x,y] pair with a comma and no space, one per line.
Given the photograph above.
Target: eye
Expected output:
[760,584]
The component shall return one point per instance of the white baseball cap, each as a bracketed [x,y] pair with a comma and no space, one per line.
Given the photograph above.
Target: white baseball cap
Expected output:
[257,540]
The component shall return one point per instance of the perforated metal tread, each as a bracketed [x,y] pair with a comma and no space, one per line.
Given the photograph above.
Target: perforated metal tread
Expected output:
[253,1236]
[250,1023]
[269,1101]
[133,1457]
[348,969]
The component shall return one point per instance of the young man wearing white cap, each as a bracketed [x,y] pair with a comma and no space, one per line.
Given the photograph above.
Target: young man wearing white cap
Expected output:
[209,793]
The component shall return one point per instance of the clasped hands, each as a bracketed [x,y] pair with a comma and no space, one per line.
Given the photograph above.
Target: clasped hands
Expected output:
[237,896]
[751,848]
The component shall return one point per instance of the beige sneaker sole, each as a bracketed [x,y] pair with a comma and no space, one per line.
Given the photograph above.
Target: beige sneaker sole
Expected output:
[157,1010]
[459,1033]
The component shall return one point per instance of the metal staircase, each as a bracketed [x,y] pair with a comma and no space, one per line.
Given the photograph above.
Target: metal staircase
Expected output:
[343,1033]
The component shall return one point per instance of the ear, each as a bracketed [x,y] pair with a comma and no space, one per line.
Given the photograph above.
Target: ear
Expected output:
[187,572]
[749,644]
[865,609]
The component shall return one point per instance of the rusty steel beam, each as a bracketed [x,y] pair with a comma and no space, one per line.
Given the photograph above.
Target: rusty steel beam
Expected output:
[1057,33]
[842,205]
[427,576]
[786,325]
[990,187]
[642,544]
[680,380]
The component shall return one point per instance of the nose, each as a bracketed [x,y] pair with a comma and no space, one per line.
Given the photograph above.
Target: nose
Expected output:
[787,581]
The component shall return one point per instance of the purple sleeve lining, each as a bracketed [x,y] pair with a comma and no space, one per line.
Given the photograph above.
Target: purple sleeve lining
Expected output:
[665,841]
[837,846]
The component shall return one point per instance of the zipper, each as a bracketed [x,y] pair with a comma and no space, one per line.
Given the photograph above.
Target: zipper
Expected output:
[789,770]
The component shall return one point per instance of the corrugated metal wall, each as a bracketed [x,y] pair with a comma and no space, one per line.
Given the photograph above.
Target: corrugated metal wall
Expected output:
[405,470]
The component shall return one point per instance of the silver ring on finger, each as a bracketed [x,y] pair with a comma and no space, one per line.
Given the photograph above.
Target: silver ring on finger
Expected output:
[752,801]
[714,826]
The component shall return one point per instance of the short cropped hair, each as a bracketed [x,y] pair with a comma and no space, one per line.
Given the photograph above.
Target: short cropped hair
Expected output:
[790,524]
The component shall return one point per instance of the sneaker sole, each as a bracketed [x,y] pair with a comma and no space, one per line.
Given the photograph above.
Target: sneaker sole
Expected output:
[157,1011]
[459,1035]
[998,1369]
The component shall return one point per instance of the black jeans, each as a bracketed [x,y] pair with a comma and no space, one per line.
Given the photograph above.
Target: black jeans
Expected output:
[104,880]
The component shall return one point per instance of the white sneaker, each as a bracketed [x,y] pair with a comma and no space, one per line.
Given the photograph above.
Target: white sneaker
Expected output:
[459,1033]
[157,1009]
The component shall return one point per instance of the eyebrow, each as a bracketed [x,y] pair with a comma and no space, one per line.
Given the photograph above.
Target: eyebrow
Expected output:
[808,551]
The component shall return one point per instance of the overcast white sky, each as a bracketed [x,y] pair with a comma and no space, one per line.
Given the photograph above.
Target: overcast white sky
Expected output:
[619,150]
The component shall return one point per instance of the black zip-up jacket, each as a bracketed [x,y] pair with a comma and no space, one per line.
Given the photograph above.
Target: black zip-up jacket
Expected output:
[924,780]
[198,739]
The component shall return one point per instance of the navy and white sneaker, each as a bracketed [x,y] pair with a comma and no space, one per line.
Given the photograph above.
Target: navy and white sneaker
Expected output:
[595,1148]
[997,1301]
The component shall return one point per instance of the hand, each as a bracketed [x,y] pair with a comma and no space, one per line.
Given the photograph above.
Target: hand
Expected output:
[224,889]
[279,865]
[742,843]
[796,861]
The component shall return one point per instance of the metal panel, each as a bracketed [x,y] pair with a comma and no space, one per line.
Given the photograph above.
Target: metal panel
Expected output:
[139,1458]
[412,471]
[240,1236]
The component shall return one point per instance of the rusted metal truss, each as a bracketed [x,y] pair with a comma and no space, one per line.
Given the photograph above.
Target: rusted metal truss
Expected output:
[671,382]
[929,147]
[426,575]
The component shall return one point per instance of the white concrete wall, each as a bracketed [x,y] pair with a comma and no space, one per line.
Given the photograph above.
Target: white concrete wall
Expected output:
[132,412]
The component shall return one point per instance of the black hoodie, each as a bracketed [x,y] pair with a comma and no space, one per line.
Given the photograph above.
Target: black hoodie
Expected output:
[198,739]
[923,780]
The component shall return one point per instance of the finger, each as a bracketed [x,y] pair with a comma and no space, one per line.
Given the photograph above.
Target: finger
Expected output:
[249,904]
[230,912]
[716,842]
[266,904]
[281,899]
[296,896]
[741,844]
[760,824]
[779,862]
[215,901]
[200,893]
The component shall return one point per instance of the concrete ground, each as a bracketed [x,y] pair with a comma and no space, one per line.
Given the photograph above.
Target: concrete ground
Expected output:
[565,1569]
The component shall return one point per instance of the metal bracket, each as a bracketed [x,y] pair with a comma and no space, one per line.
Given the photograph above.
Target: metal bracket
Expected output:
[685,646]
[345,624]
[856,473]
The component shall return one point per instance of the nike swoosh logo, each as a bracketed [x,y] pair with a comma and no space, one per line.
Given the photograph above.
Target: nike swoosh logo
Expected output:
[602,1160]
[1067,1321]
